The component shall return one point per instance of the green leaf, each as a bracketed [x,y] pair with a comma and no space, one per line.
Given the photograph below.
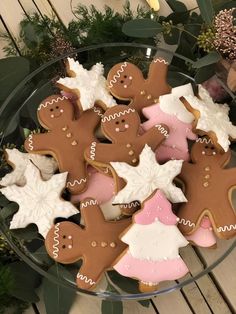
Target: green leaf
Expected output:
[26,280]
[109,307]
[13,70]
[58,299]
[127,285]
[204,73]
[206,10]
[3,200]
[222,4]
[210,58]
[8,210]
[177,6]
[144,303]
[42,257]
[142,28]
[173,37]
[28,233]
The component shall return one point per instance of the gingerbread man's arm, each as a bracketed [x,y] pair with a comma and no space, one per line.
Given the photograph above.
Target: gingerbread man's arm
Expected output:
[39,142]
[155,136]
[89,273]
[92,115]
[230,177]
[186,172]
[100,153]
[92,214]
[158,73]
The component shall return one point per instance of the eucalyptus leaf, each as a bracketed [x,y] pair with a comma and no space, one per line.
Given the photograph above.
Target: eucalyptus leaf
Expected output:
[130,286]
[3,200]
[222,4]
[8,210]
[142,28]
[210,58]
[13,70]
[109,307]
[28,233]
[206,10]
[26,280]
[204,73]
[178,17]
[58,299]
[177,6]
[42,256]
[173,37]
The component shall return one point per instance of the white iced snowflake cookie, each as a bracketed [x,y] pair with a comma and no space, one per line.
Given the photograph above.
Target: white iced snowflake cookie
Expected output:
[39,201]
[19,161]
[212,118]
[148,176]
[89,85]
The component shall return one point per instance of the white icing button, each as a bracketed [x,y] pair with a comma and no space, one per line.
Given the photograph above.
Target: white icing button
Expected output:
[128,145]
[207,168]
[205,184]
[207,176]
[94,243]
[103,244]
[142,92]
[112,244]
[74,143]
[156,100]
[131,152]
[134,160]
[68,135]
[149,96]
[64,128]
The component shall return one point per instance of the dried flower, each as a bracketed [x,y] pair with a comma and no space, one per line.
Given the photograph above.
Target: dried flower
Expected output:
[225,37]
[60,46]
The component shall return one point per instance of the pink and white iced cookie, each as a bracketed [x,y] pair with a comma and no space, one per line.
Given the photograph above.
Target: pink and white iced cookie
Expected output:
[204,235]
[173,113]
[154,241]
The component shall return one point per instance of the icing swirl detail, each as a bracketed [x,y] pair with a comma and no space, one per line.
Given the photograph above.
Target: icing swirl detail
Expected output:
[186,222]
[130,205]
[162,130]
[55,100]
[93,150]
[161,61]
[85,279]
[117,75]
[117,115]
[31,142]
[226,228]
[76,182]
[89,203]
[56,241]
[98,111]
[204,140]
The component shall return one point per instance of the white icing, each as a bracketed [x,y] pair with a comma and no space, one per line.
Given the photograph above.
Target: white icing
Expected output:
[117,115]
[89,203]
[130,205]
[56,241]
[155,241]
[76,182]
[213,117]
[186,222]
[171,104]
[117,75]
[98,111]
[162,130]
[93,150]
[31,142]
[161,61]
[90,84]
[143,179]
[226,228]
[53,101]
[85,279]
[204,140]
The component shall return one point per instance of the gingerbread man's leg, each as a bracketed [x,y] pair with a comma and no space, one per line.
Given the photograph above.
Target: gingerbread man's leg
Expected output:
[189,216]
[89,273]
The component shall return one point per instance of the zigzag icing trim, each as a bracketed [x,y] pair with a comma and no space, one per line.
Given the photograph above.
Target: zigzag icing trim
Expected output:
[31,142]
[85,279]
[76,182]
[93,150]
[117,75]
[130,205]
[204,140]
[98,111]
[186,222]
[55,100]
[56,241]
[161,61]
[89,203]
[162,130]
[117,115]
[226,228]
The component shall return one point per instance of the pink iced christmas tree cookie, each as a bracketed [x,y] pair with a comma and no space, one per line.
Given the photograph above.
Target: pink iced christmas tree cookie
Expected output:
[173,113]
[154,241]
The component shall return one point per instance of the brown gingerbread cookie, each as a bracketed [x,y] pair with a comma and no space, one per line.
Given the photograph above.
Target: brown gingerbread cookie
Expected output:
[126,82]
[97,244]
[121,125]
[66,138]
[208,188]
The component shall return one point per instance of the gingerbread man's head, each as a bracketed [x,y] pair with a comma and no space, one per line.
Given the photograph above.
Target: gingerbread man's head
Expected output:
[62,242]
[55,111]
[124,80]
[204,150]
[120,123]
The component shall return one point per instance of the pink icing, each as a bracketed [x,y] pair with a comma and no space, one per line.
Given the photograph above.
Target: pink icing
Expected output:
[179,132]
[100,187]
[204,235]
[157,207]
[150,271]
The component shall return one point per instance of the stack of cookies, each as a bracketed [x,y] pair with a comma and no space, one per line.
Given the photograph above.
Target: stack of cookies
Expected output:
[123,166]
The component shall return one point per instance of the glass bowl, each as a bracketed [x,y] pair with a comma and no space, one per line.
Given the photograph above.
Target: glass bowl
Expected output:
[18,115]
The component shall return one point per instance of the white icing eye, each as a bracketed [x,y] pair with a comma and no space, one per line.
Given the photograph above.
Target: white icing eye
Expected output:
[117,129]
[126,126]
[203,153]
[52,115]
[70,246]
[61,110]
[125,86]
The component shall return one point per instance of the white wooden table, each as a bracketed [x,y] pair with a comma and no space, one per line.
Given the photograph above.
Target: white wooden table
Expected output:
[213,293]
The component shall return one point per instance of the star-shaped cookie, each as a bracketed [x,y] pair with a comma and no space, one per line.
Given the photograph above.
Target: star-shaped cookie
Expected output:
[39,201]
[19,161]
[88,85]
[212,118]
[148,176]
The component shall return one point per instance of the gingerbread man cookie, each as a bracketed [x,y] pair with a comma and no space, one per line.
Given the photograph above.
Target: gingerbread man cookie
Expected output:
[66,138]
[208,187]
[97,244]
[121,124]
[126,81]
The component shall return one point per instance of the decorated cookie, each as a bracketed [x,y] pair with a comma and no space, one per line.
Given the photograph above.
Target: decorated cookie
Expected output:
[208,188]
[89,86]
[204,235]
[98,244]
[39,201]
[154,241]
[121,125]
[171,111]
[19,161]
[212,119]
[126,82]
[148,176]
[66,138]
